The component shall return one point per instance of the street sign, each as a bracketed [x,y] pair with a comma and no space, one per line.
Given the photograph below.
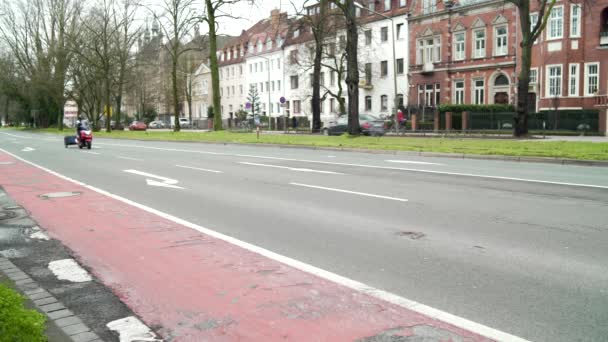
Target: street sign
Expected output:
[248,105]
[282,99]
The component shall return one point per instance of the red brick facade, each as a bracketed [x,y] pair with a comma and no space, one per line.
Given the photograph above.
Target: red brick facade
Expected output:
[564,43]
[580,52]
[473,66]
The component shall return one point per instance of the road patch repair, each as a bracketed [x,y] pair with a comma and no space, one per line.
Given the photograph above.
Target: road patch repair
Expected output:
[191,283]
[77,306]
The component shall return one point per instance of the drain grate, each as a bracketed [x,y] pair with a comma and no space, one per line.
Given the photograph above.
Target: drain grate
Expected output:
[7,215]
[60,194]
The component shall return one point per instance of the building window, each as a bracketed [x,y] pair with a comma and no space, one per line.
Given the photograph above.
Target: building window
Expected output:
[240,69]
[322,106]
[592,72]
[533,76]
[322,79]
[251,68]
[259,47]
[294,82]
[575,20]
[399,31]
[556,23]
[384,34]
[272,85]
[500,41]
[278,63]
[459,46]
[402,3]
[573,76]
[429,6]
[332,105]
[533,21]
[368,73]
[233,92]
[368,37]
[371,6]
[428,95]
[311,78]
[278,85]
[400,66]
[293,56]
[383,68]
[429,50]
[296,106]
[387,5]
[480,43]
[479,92]
[459,92]
[296,33]
[332,78]
[554,80]
[241,89]
[383,103]
[342,42]
[368,103]
[400,100]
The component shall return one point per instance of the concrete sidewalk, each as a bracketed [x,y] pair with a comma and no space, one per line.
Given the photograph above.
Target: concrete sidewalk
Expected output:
[195,284]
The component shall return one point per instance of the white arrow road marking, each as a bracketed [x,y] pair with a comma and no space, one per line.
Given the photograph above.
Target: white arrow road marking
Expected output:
[198,168]
[165,182]
[28,149]
[293,168]
[350,192]
[412,162]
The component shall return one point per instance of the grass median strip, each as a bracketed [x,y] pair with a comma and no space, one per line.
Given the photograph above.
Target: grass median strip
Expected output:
[16,322]
[502,147]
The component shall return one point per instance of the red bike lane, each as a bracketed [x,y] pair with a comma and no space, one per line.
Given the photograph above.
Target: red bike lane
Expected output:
[192,286]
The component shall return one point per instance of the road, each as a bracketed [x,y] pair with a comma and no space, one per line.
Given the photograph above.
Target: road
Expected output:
[520,247]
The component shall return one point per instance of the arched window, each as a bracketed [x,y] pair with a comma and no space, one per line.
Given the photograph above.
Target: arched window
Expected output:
[501,80]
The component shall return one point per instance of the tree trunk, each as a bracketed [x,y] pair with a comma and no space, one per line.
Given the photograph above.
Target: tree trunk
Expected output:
[352,76]
[108,104]
[175,94]
[215,79]
[316,84]
[117,116]
[7,103]
[520,127]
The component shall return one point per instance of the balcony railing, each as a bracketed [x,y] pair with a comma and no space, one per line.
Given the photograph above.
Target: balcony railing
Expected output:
[601,100]
[604,38]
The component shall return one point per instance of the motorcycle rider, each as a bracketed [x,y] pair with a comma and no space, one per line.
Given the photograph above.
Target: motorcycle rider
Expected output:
[80,126]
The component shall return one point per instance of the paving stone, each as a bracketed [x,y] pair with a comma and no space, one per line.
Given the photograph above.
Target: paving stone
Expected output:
[60,314]
[17,276]
[52,307]
[10,270]
[28,280]
[75,329]
[28,286]
[84,337]
[45,301]
[64,322]
[33,291]
[39,295]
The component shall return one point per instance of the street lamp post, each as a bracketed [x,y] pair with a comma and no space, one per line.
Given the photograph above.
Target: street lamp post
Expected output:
[395,98]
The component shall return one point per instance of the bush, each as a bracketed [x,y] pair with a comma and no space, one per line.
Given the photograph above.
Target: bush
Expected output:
[454,108]
[18,324]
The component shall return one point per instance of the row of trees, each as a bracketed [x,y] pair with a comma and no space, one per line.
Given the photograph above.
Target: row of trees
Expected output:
[59,49]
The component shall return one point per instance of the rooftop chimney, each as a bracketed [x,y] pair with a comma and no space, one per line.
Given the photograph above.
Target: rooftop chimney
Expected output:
[275,18]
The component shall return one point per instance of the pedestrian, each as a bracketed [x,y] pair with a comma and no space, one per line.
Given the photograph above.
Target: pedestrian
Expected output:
[294,122]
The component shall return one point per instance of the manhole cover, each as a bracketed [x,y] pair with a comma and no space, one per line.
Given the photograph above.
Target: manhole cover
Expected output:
[411,235]
[60,194]
[5,215]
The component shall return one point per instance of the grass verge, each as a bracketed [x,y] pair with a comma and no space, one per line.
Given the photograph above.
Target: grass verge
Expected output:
[505,147]
[16,322]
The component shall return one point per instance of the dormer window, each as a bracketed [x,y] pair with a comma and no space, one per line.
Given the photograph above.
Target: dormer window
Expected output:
[259,46]
[268,44]
[279,42]
[296,33]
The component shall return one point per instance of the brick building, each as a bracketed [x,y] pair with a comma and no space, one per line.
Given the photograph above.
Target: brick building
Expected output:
[570,59]
[462,52]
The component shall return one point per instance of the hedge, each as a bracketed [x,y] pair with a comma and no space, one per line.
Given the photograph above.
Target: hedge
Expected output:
[18,324]
[459,108]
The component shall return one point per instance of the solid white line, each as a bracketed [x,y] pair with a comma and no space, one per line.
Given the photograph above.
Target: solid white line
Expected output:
[412,162]
[198,168]
[129,158]
[349,192]
[296,169]
[353,284]
[371,166]
[90,152]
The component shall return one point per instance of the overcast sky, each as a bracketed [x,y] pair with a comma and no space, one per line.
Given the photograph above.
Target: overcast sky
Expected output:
[250,13]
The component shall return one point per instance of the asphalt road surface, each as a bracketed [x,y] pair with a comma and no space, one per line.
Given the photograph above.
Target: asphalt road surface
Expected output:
[520,247]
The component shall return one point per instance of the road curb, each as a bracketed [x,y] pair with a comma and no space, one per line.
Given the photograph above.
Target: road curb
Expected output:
[47,304]
[543,160]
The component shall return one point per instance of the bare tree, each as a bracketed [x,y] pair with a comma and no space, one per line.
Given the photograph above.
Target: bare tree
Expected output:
[36,32]
[179,19]
[126,37]
[529,35]
[352,78]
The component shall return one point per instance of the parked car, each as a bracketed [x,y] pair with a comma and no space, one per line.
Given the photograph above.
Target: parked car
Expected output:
[156,124]
[137,126]
[183,123]
[370,125]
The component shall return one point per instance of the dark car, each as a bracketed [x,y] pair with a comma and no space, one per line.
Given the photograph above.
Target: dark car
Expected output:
[137,126]
[370,125]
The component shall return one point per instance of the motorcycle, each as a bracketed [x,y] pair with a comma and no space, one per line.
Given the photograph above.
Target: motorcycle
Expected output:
[85,139]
